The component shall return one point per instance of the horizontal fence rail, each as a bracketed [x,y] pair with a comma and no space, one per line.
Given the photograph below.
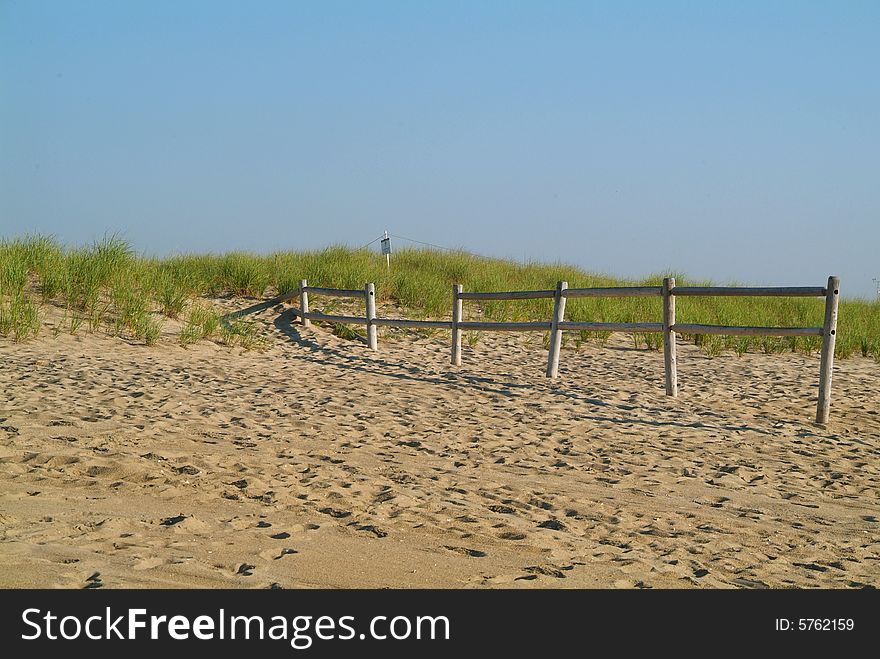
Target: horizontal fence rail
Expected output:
[631,328]
[616,291]
[781,291]
[739,330]
[557,324]
[508,295]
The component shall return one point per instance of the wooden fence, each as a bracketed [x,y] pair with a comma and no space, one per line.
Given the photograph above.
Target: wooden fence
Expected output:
[557,324]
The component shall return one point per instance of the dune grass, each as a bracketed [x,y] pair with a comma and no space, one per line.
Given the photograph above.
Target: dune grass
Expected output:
[106,285]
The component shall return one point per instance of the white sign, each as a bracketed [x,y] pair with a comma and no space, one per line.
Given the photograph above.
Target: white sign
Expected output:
[386,245]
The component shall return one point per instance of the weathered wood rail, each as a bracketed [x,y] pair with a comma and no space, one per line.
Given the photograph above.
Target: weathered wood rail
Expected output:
[557,324]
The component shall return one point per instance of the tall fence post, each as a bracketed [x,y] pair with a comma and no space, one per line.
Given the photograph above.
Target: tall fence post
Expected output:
[370,296]
[304,302]
[829,337]
[456,319]
[555,332]
[669,361]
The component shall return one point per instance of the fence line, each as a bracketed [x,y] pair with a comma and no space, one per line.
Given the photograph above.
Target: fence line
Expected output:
[509,295]
[745,291]
[630,328]
[739,330]
[669,327]
[616,291]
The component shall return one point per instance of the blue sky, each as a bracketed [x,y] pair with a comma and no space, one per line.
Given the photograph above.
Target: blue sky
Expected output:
[733,141]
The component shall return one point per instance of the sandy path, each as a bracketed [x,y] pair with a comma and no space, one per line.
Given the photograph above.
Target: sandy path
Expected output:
[318,463]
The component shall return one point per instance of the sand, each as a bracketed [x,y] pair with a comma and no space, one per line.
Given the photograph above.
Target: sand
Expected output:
[318,463]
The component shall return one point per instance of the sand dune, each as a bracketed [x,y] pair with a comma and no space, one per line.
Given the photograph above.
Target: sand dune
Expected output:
[320,463]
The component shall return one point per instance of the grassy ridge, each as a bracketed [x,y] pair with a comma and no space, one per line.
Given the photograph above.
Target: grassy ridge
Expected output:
[107,285]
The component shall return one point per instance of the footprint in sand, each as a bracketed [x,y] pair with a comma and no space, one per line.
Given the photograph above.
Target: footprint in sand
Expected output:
[369,528]
[749,583]
[547,570]
[476,553]
[333,512]
[148,563]
[274,554]
[94,581]
[553,524]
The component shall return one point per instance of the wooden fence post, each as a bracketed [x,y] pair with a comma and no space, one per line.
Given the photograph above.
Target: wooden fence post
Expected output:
[370,296]
[829,337]
[304,302]
[555,332]
[669,361]
[456,319]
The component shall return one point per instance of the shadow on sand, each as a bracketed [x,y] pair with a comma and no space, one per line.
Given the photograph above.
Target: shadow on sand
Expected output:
[343,361]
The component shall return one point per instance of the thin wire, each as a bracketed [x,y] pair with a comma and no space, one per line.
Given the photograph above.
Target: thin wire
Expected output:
[422,242]
[371,242]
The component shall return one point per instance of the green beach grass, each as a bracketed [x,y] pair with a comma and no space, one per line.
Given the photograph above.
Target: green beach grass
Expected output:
[107,285]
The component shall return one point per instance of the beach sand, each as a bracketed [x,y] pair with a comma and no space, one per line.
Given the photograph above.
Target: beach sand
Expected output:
[318,463]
